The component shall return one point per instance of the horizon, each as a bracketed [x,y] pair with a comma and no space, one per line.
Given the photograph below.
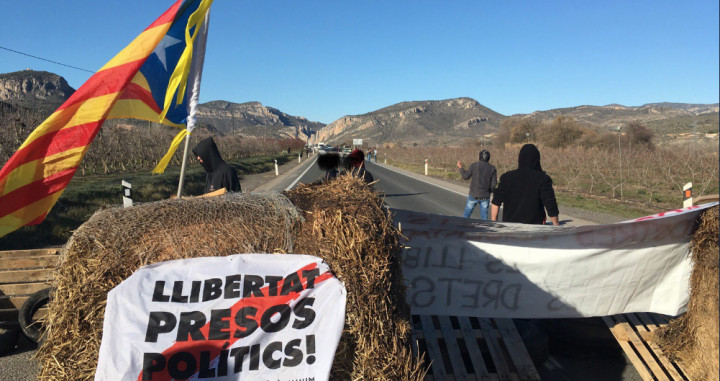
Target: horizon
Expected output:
[326,61]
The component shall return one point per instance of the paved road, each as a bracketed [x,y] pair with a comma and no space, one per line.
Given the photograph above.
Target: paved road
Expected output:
[404,190]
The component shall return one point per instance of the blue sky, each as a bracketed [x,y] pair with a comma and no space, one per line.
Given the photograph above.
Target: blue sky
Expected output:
[326,59]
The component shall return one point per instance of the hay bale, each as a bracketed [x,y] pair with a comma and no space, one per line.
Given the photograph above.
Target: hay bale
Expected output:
[692,339]
[347,226]
[115,242]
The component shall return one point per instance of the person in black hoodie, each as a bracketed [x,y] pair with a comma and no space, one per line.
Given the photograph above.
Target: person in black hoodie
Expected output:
[356,165]
[526,192]
[219,173]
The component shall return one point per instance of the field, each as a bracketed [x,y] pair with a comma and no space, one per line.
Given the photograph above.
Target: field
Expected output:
[633,182]
[87,194]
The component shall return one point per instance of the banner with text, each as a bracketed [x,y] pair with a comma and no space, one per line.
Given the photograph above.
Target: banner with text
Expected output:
[463,267]
[249,316]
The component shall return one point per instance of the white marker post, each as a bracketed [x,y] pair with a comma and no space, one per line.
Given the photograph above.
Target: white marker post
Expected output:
[687,195]
[277,173]
[299,158]
[127,200]
[426,167]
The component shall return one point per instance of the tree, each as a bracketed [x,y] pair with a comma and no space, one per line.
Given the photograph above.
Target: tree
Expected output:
[562,132]
[640,135]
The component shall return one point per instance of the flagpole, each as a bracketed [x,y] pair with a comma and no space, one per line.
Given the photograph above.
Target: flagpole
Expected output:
[182,168]
[193,88]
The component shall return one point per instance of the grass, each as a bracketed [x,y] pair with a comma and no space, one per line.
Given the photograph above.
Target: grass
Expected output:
[601,205]
[87,194]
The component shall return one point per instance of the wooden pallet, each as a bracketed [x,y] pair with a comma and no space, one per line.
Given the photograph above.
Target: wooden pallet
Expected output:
[635,333]
[22,273]
[467,348]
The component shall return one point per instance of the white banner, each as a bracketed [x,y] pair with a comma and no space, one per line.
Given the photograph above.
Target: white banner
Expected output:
[462,267]
[245,316]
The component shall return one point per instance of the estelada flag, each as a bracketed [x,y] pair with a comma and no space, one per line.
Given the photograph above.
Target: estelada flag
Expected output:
[150,79]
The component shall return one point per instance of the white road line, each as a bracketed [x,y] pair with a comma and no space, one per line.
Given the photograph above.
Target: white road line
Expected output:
[301,175]
[425,181]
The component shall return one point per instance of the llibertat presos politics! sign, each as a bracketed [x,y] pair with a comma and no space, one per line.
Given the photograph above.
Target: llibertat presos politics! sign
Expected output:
[245,316]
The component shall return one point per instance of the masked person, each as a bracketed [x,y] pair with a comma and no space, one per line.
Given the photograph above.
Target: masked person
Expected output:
[329,163]
[526,192]
[356,164]
[483,180]
[219,173]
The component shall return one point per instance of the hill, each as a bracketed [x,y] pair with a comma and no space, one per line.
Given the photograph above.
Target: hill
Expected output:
[252,118]
[426,122]
[663,118]
[454,120]
[41,93]
[35,90]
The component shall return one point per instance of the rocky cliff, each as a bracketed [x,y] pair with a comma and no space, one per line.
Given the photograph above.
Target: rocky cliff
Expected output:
[38,90]
[252,118]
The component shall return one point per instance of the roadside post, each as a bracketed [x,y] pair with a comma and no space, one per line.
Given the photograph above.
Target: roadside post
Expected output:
[277,173]
[687,195]
[426,167]
[299,158]
[127,194]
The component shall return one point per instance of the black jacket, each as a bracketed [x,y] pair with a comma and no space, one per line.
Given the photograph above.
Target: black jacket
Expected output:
[484,179]
[219,173]
[526,192]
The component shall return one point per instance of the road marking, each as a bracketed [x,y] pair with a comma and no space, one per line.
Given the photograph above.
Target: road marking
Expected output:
[425,181]
[303,174]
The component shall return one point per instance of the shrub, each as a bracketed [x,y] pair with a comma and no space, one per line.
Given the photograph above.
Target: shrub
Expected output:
[639,134]
[562,132]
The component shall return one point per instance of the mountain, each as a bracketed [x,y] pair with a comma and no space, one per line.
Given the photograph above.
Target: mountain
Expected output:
[612,115]
[427,122]
[43,92]
[252,118]
[36,90]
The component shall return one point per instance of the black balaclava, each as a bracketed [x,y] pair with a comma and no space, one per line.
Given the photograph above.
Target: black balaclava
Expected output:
[529,157]
[328,161]
[209,153]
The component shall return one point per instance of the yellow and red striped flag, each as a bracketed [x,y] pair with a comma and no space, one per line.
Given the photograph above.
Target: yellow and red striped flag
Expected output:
[146,80]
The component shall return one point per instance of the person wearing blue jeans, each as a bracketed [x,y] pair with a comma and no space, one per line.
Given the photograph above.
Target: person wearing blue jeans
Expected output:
[484,180]
[472,202]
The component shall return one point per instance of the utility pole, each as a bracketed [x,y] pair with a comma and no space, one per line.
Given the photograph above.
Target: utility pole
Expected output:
[618,128]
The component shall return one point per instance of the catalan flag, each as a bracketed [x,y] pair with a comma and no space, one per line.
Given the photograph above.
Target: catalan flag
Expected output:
[156,78]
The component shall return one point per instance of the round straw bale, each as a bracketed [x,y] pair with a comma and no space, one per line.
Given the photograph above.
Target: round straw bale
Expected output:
[692,339]
[347,225]
[115,242]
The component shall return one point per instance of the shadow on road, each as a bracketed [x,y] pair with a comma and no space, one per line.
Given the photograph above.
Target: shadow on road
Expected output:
[404,194]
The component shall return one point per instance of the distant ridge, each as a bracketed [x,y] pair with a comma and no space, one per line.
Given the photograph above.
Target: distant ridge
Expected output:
[37,90]
[432,122]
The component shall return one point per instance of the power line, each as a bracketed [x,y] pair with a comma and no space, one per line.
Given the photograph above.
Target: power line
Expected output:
[45,59]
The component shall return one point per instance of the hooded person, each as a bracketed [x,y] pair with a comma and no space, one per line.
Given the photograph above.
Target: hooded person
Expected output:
[329,162]
[219,173]
[526,192]
[356,165]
